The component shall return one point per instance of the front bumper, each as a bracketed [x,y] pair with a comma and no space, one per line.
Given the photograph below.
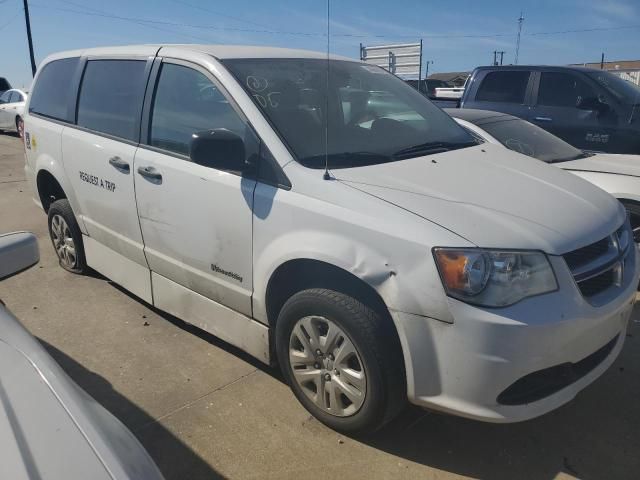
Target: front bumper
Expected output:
[463,367]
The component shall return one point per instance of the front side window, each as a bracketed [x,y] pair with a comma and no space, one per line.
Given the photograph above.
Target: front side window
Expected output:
[186,102]
[369,115]
[111,97]
[558,89]
[53,91]
[531,140]
[504,87]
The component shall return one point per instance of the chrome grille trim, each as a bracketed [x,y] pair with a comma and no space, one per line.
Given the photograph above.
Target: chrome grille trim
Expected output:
[611,263]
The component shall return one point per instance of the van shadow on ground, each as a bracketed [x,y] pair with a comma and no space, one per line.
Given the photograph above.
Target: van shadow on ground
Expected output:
[175,459]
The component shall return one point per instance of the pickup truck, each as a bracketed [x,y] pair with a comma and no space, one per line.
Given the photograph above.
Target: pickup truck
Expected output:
[590,109]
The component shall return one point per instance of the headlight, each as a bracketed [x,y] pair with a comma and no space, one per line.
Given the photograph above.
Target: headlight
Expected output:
[494,278]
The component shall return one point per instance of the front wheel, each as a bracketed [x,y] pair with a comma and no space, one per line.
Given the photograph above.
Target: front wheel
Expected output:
[340,361]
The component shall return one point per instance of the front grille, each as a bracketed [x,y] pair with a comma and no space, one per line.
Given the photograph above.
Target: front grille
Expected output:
[600,265]
[584,255]
[541,384]
[597,284]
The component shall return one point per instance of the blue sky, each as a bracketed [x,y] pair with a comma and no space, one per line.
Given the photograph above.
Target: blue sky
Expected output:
[454,33]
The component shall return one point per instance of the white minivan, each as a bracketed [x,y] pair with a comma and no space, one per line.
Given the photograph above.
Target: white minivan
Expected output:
[323,215]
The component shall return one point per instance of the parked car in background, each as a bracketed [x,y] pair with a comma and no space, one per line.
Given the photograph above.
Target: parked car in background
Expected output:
[12,111]
[617,174]
[590,109]
[50,429]
[428,86]
[4,85]
[202,179]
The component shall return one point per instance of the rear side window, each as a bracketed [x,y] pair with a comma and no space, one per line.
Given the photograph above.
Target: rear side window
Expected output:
[111,97]
[186,102]
[53,91]
[559,89]
[504,87]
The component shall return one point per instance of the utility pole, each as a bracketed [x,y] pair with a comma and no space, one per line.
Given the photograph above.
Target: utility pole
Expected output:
[28,22]
[602,62]
[520,22]
[426,73]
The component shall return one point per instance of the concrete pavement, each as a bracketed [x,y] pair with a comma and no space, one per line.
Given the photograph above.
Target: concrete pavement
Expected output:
[205,410]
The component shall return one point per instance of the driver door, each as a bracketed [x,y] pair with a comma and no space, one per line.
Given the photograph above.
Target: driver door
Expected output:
[555,110]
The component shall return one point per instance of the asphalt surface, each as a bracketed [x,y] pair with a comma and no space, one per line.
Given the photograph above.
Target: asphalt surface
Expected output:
[204,410]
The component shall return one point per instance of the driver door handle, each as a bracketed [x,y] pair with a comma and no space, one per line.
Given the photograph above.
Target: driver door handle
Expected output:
[543,119]
[118,163]
[150,173]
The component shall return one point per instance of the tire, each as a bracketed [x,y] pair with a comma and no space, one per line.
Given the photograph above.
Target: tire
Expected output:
[66,237]
[20,126]
[378,357]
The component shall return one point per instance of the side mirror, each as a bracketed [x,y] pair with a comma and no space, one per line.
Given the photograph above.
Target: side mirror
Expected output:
[18,251]
[592,103]
[220,149]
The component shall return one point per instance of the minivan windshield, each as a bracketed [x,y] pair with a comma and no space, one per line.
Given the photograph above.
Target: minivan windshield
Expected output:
[370,115]
[623,90]
[531,140]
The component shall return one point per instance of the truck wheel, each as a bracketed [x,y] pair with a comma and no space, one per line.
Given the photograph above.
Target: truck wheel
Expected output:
[66,237]
[339,360]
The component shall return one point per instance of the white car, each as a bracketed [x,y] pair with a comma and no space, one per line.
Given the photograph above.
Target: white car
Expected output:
[449,93]
[49,427]
[617,174]
[395,259]
[12,104]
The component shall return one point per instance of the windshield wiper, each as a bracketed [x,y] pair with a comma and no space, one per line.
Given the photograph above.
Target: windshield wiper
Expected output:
[579,156]
[430,148]
[345,159]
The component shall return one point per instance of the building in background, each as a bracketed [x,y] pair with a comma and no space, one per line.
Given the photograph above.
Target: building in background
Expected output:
[627,69]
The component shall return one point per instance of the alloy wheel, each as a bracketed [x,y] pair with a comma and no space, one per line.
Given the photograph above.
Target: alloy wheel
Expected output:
[326,366]
[63,241]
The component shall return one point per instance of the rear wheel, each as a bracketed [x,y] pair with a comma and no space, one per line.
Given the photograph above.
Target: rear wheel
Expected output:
[20,127]
[66,237]
[339,360]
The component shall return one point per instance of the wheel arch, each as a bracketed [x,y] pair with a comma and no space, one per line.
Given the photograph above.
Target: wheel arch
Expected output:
[49,189]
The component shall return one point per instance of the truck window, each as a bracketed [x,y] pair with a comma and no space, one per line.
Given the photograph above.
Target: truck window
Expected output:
[186,102]
[111,97]
[558,89]
[504,87]
[53,90]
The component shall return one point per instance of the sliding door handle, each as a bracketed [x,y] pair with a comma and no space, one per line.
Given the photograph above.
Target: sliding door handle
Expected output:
[120,164]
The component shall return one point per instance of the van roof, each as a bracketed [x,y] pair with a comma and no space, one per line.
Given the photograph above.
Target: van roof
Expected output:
[217,51]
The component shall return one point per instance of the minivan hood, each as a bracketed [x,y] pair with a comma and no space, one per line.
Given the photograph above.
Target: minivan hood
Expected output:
[606,163]
[494,198]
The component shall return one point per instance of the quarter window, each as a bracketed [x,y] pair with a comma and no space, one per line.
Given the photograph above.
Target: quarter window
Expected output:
[111,97]
[186,102]
[562,89]
[504,87]
[53,91]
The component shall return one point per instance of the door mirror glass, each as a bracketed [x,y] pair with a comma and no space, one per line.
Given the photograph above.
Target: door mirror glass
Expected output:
[592,103]
[220,149]
[18,251]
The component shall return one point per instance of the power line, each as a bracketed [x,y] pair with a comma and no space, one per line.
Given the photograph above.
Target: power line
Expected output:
[149,22]
[237,19]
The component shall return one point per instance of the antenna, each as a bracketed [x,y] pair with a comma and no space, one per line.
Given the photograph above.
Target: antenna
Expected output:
[326,175]
[520,22]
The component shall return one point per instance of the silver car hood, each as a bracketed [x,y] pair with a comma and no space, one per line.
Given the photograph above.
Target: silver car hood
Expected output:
[606,163]
[50,429]
[494,198]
